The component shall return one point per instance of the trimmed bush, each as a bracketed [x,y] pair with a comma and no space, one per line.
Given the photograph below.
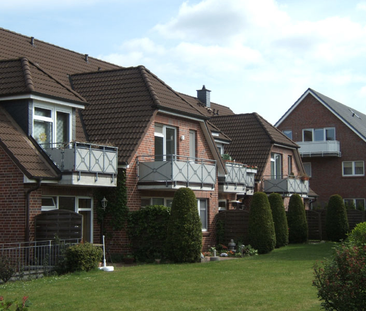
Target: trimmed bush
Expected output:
[296,220]
[6,269]
[279,219]
[184,241]
[82,257]
[261,231]
[358,234]
[336,222]
[341,280]
[147,232]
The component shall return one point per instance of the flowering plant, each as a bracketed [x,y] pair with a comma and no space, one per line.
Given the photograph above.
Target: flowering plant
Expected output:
[8,305]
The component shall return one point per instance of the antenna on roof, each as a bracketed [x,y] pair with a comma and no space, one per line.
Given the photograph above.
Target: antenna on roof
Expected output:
[32,41]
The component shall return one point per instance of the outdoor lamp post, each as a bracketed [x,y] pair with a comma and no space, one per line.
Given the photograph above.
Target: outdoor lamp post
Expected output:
[104,202]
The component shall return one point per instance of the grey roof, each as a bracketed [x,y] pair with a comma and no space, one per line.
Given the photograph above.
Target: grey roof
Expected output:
[353,118]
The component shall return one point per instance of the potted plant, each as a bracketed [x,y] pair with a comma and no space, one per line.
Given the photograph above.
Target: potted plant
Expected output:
[157,256]
[304,177]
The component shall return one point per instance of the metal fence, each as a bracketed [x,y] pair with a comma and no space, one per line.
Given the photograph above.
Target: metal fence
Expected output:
[36,257]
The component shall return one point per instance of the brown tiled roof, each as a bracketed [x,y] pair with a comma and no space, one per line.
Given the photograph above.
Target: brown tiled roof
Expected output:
[21,76]
[57,61]
[122,104]
[24,154]
[215,109]
[252,138]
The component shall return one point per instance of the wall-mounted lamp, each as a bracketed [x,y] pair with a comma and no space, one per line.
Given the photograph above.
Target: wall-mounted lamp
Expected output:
[182,138]
[104,203]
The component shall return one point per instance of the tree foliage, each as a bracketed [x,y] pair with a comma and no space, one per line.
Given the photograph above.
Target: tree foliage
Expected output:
[296,219]
[279,219]
[336,222]
[261,230]
[184,240]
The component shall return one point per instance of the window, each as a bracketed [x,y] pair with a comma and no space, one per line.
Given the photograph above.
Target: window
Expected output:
[307,166]
[320,134]
[276,166]
[358,204]
[192,145]
[165,142]
[353,168]
[222,205]
[81,205]
[202,211]
[51,124]
[288,133]
[156,201]
[289,165]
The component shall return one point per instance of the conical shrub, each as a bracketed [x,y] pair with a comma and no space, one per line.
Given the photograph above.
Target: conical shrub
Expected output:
[296,219]
[184,241]
[261,229]
[279,219]
[336,221]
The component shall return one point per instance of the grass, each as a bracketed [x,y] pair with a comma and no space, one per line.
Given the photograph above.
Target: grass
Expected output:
[280,280]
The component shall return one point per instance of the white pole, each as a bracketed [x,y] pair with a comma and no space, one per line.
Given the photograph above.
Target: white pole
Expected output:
[104,261]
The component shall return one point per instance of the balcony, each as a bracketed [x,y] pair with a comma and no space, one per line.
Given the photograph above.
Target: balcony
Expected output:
[330,148]
[175,171]
[286,185]
[239,179]
[85,164]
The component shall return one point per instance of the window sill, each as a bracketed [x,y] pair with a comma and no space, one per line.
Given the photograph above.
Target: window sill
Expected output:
[206,233]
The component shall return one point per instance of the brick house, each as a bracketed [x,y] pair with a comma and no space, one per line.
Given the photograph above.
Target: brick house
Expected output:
[112,119]
[278,162]
[332,138]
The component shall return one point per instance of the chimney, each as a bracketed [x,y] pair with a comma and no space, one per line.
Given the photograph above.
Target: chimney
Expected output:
[204,96]
[87,58]
[32,41]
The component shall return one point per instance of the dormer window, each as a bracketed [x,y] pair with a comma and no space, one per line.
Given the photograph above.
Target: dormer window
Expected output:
[51,125]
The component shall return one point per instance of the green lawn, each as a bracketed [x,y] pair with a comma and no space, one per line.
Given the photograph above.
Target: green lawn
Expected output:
[277,281]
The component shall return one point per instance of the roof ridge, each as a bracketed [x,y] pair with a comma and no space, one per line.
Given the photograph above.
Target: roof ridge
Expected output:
[171,89]
[58,47]
[265,123]
[149,85]
[56,80]
[27,74]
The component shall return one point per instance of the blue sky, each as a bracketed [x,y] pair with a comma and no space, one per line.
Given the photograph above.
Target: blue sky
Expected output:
[254,56]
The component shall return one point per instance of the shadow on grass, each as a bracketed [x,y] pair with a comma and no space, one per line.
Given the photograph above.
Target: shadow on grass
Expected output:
[301,252]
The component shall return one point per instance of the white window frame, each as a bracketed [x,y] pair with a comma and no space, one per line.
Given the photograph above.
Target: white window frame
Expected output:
[312,130]
[163,135]
[354,200]
[56,199]
[274,165]
[288,133]
[205,211]
[353,174]
[167,201]
[309,172]
[52,120]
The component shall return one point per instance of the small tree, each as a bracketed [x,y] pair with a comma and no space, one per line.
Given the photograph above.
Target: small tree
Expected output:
[279,219]
[296,219]
[261,230]
[336,222]
[184,238]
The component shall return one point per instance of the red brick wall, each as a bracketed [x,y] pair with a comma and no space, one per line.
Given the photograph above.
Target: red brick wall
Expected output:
[327,177]
[147,148]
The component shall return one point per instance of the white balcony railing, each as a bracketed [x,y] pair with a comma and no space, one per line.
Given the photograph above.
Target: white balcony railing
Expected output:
[320,148]
[175,171]
[239,178]
[84,160]
[286,185]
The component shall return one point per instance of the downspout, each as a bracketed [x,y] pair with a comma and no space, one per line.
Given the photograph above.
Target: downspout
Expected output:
[27,215]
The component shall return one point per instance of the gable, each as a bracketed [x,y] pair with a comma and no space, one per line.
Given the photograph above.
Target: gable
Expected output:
[351,118]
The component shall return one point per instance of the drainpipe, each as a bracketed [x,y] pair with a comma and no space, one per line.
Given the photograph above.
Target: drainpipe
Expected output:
[27,215]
